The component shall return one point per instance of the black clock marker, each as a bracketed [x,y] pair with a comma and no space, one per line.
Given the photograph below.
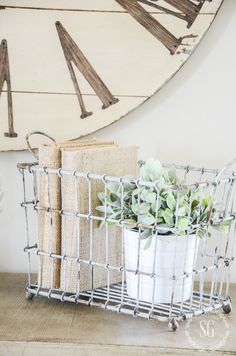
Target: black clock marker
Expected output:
[5,77]
[151,24]
[188,12]
[74,55]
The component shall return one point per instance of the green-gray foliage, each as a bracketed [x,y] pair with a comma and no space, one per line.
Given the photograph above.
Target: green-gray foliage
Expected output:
[159,206]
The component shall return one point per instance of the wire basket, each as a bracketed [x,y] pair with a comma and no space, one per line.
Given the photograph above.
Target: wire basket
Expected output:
[176,278]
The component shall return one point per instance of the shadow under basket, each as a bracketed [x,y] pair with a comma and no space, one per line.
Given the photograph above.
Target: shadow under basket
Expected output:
[166,256]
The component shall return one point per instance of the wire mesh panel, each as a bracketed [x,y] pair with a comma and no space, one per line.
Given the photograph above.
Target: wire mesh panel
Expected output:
[170,264]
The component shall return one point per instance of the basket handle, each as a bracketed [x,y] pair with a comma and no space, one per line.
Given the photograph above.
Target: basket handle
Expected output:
[228,165]
[29,134]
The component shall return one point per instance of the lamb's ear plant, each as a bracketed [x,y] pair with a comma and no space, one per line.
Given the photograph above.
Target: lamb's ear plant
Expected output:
[156,207]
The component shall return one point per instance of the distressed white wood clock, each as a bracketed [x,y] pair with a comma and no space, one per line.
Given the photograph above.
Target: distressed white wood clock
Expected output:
[71,67]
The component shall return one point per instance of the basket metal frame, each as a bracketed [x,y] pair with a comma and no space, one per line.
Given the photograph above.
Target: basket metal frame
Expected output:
[115,297]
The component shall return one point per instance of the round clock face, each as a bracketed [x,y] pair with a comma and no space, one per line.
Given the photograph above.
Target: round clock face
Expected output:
[71,67]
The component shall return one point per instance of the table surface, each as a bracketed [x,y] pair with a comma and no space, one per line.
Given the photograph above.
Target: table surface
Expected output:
[50,327]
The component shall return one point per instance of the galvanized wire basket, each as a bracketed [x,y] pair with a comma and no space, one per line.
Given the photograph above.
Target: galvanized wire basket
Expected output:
[178,276]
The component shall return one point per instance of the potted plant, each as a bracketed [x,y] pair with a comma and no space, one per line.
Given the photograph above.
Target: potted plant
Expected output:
[162,228]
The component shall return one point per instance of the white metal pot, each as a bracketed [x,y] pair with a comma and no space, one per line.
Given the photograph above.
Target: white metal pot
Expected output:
[173,255]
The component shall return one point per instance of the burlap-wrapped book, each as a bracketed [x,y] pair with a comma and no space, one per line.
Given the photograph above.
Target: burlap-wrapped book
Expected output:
[82,237]
[50,197]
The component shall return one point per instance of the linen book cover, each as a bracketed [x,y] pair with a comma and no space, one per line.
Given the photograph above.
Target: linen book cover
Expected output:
[50,197]
[82,237]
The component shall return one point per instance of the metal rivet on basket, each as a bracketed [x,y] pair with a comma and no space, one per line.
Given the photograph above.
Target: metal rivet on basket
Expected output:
[226,263]
[119,308]
[45,170]
[59,172]
[150,315]
[49,293]
[121,180]
[37,291]
[135,312]
[186,274]
[88,176]
[121,222]
[104,178]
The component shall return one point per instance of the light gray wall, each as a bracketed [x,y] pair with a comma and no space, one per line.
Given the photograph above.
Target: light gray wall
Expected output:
[191,120]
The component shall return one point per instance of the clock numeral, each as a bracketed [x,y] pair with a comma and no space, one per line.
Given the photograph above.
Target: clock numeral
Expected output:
[152,25]
[188,12]
[74,55]
[188,8]
[5,77]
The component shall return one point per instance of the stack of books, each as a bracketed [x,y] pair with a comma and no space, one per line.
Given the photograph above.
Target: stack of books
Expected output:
[73,236]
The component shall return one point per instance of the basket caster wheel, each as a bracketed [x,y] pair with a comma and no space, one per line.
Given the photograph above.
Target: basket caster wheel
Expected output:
[29,296]
[173,324]
[227,309]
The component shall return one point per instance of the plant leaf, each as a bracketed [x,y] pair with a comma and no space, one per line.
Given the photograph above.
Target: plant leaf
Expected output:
[168,217]
[147,219]
[148,243]
[141,209]
[182,211]
[146,234]
[113,187]
[151,170]
[182,223]
[171,203]
[130,223]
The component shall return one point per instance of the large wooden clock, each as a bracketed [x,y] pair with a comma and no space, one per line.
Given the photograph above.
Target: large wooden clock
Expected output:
[71,67]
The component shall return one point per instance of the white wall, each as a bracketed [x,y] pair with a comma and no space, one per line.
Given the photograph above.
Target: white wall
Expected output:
[191,120]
